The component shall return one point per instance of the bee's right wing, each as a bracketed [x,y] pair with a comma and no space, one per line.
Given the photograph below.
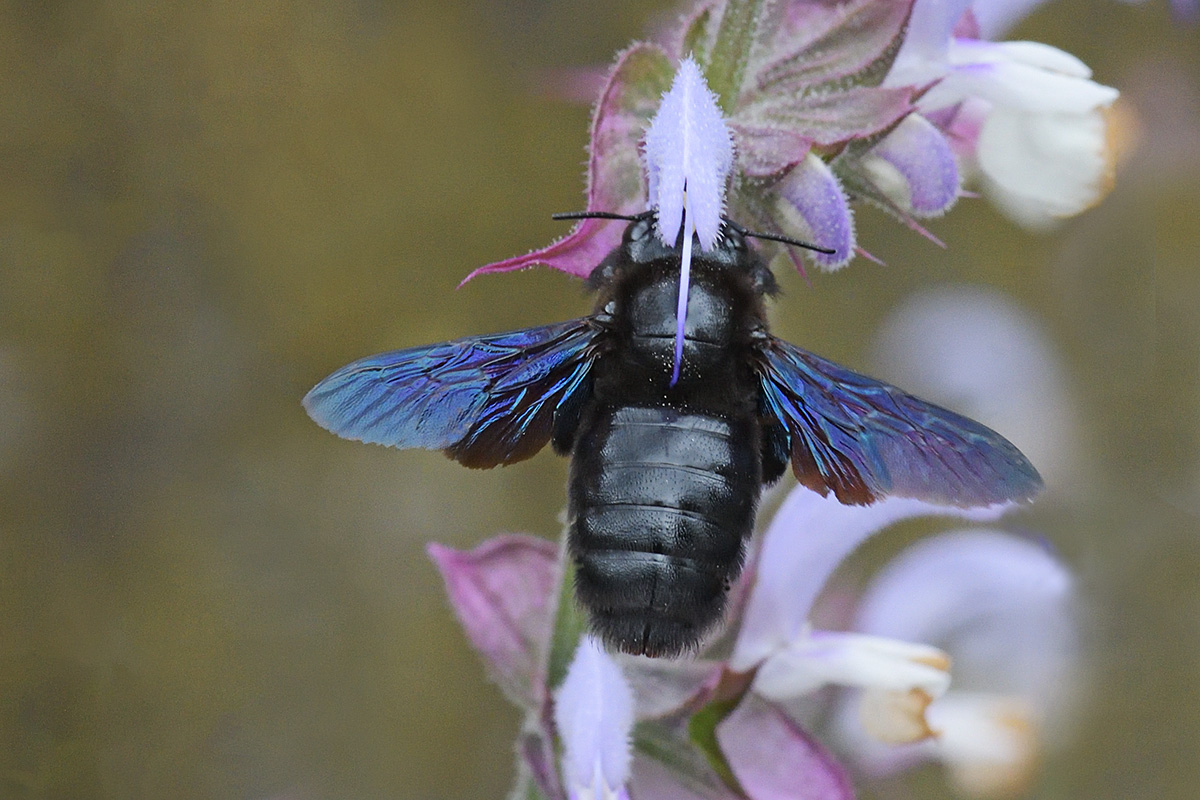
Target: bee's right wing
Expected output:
[484,400]
[864,439]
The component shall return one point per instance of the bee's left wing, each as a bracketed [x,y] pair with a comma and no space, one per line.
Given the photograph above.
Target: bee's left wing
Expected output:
[864,439]
[483,400]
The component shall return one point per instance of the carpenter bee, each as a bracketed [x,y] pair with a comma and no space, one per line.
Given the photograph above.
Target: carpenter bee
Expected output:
[666,471]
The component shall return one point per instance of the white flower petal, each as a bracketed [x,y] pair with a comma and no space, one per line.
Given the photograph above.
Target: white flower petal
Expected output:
[1001,606]
[1043,167]
[963,52]
[895,717]
[989,743]
[822,658]
[807,539]
[1002,601]
[1044,147]
[1022,75]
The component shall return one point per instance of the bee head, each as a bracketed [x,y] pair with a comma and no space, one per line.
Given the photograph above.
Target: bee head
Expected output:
[642,245]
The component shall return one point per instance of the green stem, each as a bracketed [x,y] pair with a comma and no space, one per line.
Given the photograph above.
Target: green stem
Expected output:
[726,69]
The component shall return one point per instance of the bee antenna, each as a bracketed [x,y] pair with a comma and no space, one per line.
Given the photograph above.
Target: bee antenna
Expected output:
[596,215]
[775,237]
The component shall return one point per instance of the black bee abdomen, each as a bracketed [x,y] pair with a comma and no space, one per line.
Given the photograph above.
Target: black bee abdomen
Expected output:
[661,503]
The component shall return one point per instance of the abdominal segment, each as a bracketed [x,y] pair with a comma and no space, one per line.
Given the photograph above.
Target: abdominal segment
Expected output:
[662,503]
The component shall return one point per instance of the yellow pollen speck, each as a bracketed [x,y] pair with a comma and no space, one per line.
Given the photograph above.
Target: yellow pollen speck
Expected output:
[939,661]
[1122,132]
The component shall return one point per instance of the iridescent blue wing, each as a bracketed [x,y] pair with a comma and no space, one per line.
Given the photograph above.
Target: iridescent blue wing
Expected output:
[864,439]
[484,400]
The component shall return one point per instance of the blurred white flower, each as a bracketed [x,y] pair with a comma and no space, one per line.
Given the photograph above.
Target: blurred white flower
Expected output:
[806,541]
[1002,607]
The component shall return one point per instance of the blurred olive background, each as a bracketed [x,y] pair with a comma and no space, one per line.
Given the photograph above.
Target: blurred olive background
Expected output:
[206,206]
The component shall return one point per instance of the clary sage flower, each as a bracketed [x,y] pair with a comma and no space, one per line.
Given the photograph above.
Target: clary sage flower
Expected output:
[1024,116]
[720,727]
[593,713]
[790,659]
[777,115]
[897,103]
[1003,608]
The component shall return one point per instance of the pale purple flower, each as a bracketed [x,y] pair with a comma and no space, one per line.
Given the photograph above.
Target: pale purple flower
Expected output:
[1002,607]
[813,204]
[809,536]
[1038,132]
[791,77]
[501,592]
[593,713]
[914,165]
[896,103]
[805,542]
[781,115]
[997,605]
[688,156]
